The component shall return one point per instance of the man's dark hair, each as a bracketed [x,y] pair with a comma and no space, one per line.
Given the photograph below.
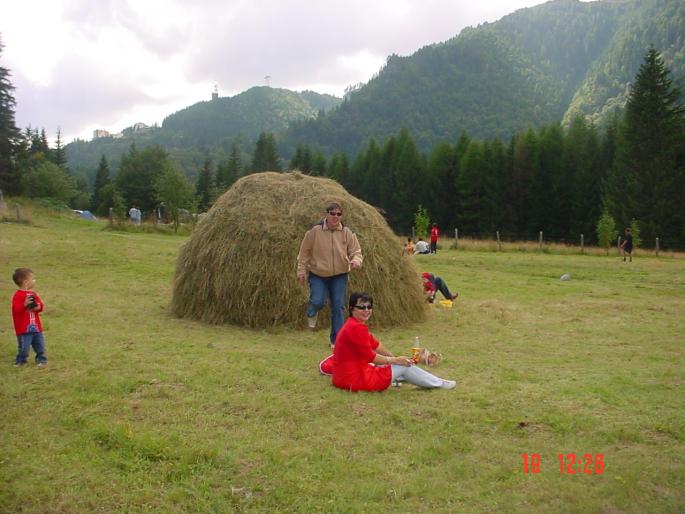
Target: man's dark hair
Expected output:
[355,297]
[333,205]
[20,275]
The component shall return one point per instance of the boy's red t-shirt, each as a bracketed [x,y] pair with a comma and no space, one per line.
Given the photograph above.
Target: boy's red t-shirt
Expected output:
[23,317]
[434,234]
[353,353]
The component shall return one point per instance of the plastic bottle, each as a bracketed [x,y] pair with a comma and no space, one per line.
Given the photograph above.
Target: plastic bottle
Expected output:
[416,350]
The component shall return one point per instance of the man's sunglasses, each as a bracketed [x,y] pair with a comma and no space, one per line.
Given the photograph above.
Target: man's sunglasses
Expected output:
[337,214]
[364,307]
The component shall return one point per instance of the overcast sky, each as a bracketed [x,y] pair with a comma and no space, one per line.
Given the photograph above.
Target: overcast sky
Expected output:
[87,64]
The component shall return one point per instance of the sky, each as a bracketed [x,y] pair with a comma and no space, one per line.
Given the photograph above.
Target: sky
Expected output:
[81,65]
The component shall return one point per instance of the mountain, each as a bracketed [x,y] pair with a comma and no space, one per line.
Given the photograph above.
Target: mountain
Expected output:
[207,128]
[533,67]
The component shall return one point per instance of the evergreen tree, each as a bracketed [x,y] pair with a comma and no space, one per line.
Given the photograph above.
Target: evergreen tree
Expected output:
[472,190]
[228,171]
[318,164]
[550,187]
[441,184]
[97,204]
[203,189]
[524,168]
[338,168]
[585,193]
[59,157]
[647,180]
[9,134]
[265,156]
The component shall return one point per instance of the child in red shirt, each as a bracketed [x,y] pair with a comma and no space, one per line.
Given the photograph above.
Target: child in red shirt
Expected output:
[26,306]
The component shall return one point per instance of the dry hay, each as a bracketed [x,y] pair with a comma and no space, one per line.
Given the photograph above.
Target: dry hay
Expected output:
[239,265]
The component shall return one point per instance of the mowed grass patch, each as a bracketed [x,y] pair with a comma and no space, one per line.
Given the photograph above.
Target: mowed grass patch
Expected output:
[139,412]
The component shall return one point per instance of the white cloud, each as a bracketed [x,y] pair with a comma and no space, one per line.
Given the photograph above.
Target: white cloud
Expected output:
[84,64]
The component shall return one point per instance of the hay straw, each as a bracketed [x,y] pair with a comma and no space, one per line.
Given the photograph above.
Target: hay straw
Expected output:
[239,265]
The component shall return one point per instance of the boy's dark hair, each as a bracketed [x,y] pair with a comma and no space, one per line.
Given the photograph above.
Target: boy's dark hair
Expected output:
[20,275]
[354,297]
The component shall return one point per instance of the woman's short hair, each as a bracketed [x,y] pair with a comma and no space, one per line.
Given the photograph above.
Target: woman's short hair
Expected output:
[355,297]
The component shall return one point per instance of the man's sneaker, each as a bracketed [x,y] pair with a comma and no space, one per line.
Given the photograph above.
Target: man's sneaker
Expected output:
[311,320]
[454,296]
[448,384]
[41,364]
[19,364]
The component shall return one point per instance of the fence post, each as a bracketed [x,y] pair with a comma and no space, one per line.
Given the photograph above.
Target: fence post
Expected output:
[456,238]
[540,240]
[582,244]
[499,243]
[657,247]
[111,217]
[16,206]
[618,245]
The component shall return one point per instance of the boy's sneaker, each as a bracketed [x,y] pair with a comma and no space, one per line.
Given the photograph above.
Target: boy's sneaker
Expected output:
[448,384]
[311,320]
[41,364]
[19,364]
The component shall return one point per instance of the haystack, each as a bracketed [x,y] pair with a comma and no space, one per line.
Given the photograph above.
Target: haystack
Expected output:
[239,264]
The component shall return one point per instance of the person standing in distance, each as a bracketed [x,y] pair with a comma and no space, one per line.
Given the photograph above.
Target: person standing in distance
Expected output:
[434,238]
[329,251]
[627,245]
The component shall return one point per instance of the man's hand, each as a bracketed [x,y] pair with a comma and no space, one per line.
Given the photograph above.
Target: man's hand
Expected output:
[355,265]
[300,279]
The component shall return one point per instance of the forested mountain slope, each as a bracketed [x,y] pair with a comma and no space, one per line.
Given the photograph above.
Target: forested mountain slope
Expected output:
[532,67]
[208,128]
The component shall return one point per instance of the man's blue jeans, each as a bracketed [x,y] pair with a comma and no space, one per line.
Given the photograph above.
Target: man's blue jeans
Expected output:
[334,288]
[25,341]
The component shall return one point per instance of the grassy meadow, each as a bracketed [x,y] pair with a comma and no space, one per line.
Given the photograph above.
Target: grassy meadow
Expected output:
[141,412]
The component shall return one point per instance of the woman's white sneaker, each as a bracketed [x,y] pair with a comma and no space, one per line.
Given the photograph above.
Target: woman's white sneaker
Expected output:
[448,384]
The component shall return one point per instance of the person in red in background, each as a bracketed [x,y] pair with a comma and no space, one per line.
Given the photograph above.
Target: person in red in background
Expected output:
[26,306]
[434,238]
[432,284]
[362,363]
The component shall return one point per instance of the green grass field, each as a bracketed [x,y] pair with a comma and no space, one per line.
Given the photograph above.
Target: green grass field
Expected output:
[141,412]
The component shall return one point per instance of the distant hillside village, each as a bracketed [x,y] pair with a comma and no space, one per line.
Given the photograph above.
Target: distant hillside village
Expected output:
[136,128]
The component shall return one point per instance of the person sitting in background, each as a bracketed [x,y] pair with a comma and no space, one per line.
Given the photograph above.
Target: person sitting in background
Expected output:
[409,247]
[421,247]
[362,363]
[432,284]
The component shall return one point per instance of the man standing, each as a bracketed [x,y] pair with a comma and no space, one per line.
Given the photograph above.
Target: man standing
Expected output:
[328,252]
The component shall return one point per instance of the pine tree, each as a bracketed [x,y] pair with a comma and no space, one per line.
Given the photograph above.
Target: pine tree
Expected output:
[97,200]
[265,156]
[59,157]
[647,181]
[203,189]
[9,134]
[229,171]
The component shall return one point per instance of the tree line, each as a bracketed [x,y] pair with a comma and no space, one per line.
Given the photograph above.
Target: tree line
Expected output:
[555,179]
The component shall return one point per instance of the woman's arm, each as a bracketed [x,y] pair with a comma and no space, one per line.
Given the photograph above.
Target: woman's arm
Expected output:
[385,356]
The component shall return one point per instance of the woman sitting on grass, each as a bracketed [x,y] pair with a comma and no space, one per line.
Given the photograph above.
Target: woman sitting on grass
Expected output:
[356,352]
